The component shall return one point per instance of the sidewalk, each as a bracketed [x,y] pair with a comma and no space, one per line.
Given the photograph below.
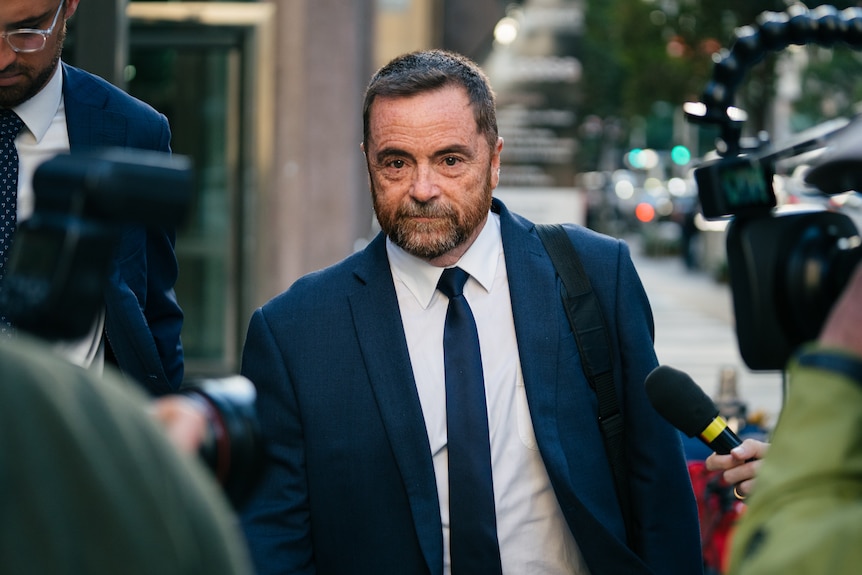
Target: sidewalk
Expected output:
[695,331]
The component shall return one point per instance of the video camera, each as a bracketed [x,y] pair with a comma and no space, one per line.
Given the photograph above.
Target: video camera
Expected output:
[60,260]
[60,257]
[786,266]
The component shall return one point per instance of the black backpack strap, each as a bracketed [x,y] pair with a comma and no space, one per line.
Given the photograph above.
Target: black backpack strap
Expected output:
[591,335]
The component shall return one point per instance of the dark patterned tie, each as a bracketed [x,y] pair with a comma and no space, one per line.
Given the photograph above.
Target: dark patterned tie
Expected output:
[473,544]
[10,125]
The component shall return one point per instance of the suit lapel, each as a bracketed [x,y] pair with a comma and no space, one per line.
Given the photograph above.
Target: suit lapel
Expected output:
[88,122]
[377,319]
[531,279]
[561,403]
[557,411]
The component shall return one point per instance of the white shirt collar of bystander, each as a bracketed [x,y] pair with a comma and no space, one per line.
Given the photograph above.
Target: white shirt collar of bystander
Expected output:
[38,112]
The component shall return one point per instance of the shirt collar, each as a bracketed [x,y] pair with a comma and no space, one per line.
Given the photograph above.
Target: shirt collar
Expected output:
[38,112]
[480,261]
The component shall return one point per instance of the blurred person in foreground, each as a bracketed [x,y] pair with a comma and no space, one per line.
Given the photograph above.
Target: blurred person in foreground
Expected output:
[60,109]
[350,367]
[805,511]
[91,484]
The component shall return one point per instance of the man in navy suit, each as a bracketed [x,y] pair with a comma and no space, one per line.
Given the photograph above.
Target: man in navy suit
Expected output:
[62,109]
[349,367]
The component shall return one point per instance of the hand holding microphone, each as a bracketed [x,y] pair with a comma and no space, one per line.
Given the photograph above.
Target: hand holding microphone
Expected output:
[686,406]
[740,466]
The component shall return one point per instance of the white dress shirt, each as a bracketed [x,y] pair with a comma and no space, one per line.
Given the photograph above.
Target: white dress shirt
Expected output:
[533,534]
[44,136]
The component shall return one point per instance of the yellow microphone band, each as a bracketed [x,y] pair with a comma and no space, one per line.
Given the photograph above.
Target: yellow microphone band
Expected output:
[714,429]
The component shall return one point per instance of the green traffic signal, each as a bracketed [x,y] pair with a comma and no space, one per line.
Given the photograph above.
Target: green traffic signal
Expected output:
[680,155]
[636,159]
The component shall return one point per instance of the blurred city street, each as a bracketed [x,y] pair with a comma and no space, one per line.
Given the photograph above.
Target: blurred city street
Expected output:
[695,331]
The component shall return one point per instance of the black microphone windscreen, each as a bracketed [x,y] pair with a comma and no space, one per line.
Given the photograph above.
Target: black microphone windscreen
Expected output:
[678,399]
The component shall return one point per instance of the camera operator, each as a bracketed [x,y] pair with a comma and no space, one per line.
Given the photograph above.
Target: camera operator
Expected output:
[806,514]
[91,484]
[796,278]
[97,476]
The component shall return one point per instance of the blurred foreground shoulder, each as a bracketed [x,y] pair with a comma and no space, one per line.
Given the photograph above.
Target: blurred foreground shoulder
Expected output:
[106,492]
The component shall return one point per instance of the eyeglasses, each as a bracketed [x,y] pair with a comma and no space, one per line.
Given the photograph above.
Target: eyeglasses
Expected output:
[26,40]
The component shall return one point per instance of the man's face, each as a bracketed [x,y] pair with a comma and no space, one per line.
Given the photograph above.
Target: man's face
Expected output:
[432,173]
[22,75]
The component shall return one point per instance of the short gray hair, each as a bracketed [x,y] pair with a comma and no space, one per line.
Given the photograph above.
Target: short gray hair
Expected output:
[429,70]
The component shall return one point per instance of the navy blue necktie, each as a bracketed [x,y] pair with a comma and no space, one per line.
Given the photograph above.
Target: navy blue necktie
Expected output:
[10,125]
[473,545]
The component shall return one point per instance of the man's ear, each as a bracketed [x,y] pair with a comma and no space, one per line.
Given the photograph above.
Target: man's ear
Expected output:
[71,8]
[495,163]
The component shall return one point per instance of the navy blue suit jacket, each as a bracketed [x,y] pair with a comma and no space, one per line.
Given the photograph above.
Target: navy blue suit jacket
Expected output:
[143,320]
[350,485]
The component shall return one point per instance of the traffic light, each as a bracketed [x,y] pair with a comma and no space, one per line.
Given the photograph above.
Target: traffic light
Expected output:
[642,159]
[635,159]
[680,155]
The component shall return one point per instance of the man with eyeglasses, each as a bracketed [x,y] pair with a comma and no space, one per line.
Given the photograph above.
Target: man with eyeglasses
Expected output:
[62,108]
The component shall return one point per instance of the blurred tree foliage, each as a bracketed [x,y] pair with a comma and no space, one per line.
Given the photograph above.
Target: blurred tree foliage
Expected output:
[643,58]
[830,86]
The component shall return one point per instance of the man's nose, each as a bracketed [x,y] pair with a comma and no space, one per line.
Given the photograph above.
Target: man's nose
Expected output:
[424,185]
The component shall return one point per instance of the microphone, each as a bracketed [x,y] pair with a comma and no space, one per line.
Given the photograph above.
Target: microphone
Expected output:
[682,402]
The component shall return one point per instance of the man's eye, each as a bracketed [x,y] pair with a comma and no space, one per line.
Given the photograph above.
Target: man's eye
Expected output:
[451,161]
[398,164]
